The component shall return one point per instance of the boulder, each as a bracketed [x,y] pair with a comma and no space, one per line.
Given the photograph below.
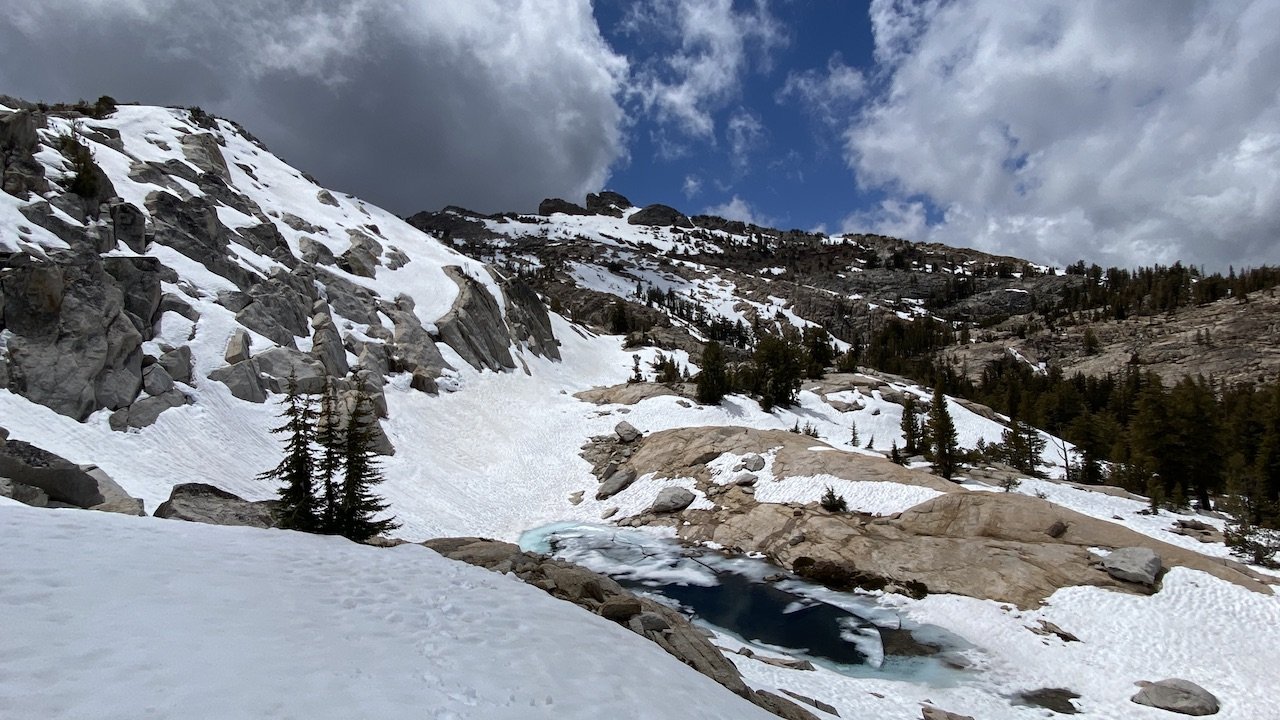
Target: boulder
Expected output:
[751,463]
[237,347]
[145,411]
[177,363]
[199,502]
[24,494]
[672,499]
[780,706]
[315,252]
[281,307]
[326,345]
[550,206]
[156,380]
[202,150]
[620,609]
[1133,564]
[928,712]
[277,365]
[616,483]
[412,350]
[1179,696]
[659,215]
[62,481]
[242,380]
[824,707]
[626,432]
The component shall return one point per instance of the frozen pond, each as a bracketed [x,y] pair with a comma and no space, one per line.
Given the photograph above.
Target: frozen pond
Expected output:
[851,633]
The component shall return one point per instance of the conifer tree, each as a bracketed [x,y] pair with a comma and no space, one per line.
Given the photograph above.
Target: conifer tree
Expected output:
[910,426]
[941,430]
[331,441]
[1021,448]
[297,508]
[712,383]
[357,505]
[853,433]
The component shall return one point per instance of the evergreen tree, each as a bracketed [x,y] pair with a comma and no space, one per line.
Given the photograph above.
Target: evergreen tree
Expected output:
[941,430]
[712,382]
[357,505]
[896,456]
[1021,447]
[331,441]
[297,508]
[778,365]
[853,433]
[831,502]
[910,426]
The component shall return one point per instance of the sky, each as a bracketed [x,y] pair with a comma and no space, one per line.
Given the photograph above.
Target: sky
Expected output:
[1119,132]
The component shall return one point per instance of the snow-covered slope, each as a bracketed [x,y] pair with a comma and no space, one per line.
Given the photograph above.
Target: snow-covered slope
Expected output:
[115,617]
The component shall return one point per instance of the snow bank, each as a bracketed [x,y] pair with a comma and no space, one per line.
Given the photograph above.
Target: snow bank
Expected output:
[115,617]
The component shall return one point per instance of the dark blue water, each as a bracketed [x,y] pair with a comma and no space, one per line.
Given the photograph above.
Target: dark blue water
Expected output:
[852,633]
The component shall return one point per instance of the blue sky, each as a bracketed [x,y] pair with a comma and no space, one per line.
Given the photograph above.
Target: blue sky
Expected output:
[793,174]
[1121,133]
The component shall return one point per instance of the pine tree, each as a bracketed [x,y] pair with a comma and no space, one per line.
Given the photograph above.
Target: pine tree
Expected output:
[712,382]
[941,430]
[1021,448]
[910,426]
[853,433]
[357,505]
[297,508]
[331,440]
[896,456]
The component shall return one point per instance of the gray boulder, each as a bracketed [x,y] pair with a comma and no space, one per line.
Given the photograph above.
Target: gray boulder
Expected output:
[660,215]
[281,307]
[177,363]
[202,150]
[672,499]
[474,326]
[25,494]
[277,365]
[237,347]
[315,252]
[626,432]
[1179,696]
[616,483]
[146,411]
[928,712]
[362,257]
[412,350]
[242,380]
[156,380]
[199,502]
[751,463]
[1133,564]
[326,344]
[62,481]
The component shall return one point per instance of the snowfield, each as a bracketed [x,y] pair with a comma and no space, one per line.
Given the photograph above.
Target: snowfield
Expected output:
[120,617]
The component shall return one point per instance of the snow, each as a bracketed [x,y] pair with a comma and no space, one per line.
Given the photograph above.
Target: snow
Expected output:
[108,616]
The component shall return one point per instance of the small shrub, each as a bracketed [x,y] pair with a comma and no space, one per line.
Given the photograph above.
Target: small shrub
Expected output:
[1010,483]
[831,502]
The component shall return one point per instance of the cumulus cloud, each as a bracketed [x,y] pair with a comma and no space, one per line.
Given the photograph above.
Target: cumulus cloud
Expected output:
[738,209]
[492,104]
[713,46]
[1123,133]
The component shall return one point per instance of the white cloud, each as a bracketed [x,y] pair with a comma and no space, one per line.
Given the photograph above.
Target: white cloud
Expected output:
[692,186]
[831,94]
[713,47]
[746,133]
[489,103]
[738,209]
[1118,132]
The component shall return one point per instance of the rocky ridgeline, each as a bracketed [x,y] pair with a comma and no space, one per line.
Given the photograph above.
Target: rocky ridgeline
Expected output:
[842,285]
[79,311]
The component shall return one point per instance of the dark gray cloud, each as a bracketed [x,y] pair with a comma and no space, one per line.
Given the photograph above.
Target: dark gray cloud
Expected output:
[490,104]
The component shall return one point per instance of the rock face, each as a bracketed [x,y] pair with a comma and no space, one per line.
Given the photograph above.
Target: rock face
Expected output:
[601,595]
[660,215]
[1133,564]
[474,327]
[1179,696]
[73,345]
[550,206]
[202,503]
[528,320]
[606,202]
[980,544]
